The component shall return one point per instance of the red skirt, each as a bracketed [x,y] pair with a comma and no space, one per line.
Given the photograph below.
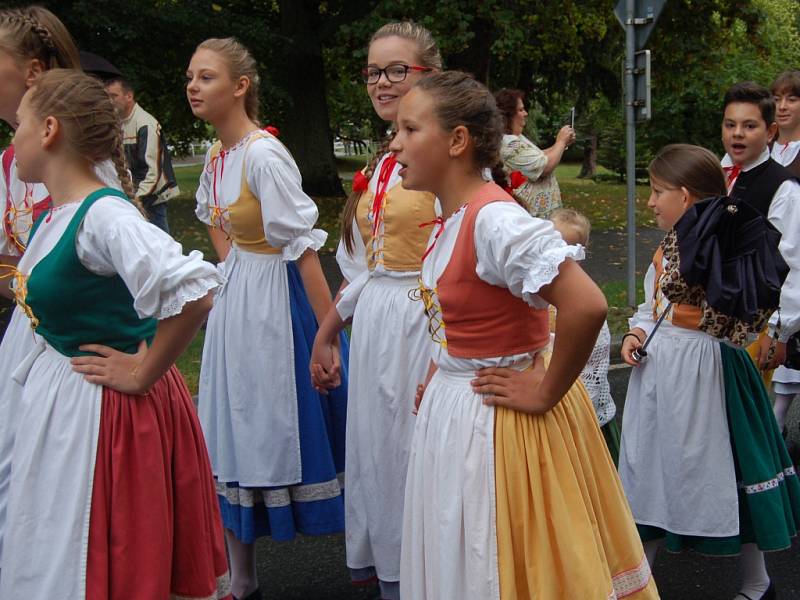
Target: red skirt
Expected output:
[155,530]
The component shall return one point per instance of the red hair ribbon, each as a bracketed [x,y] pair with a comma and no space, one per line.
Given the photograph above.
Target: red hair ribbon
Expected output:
[271,129]
[360,182]
[517,179]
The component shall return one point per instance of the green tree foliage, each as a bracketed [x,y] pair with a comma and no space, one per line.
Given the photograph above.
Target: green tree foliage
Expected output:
[563,54]
[151,42]
[558,53]
[699,49]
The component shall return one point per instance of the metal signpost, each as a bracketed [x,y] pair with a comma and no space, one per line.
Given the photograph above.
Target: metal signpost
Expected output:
[638,17]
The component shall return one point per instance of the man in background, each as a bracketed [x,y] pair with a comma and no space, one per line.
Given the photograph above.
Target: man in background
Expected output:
[146,152]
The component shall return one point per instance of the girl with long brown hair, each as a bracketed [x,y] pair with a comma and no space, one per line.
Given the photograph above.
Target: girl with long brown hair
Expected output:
[504,498]
[379,254]
[111,493]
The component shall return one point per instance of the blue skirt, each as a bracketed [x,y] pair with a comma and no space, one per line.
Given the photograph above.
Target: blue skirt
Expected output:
[315,506]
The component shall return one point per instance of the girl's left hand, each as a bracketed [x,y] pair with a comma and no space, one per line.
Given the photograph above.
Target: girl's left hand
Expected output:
[325,366]
[517,390]
[112,368]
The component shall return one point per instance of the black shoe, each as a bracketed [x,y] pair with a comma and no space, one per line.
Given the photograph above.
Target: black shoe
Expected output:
[255,595]
[770,594]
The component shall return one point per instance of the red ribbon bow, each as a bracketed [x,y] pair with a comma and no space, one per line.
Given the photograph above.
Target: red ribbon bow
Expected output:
[360,182]
[272,130]
[517,179]
[380,190]
[437,221]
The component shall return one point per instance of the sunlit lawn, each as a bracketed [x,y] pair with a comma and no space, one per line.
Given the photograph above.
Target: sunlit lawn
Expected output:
[619,312]
[602,201]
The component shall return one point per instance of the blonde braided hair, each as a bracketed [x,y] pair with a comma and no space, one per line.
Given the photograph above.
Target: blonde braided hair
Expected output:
[35,32]
[87,117]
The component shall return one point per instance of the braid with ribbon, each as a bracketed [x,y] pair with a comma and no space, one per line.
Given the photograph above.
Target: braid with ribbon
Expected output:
[360,185]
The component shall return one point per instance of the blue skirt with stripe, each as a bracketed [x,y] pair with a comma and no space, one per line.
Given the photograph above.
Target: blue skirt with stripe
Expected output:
[315,506]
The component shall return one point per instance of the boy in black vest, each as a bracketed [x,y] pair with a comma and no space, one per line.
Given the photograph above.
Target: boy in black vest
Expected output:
[748,125]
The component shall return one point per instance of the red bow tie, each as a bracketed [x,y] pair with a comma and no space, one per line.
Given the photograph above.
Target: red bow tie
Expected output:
[732,172]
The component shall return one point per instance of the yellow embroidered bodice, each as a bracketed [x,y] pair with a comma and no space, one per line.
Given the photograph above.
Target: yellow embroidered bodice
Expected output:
[400,242]
[244,215]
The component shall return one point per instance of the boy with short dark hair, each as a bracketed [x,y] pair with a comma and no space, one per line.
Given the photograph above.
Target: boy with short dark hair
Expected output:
[748,126]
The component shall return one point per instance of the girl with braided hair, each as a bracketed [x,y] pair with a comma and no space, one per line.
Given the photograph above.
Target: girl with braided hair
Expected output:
[111,492]
[379,254]
[32,41]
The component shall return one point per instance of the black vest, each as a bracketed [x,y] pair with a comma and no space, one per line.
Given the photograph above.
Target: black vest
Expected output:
[794,166]
[757,186]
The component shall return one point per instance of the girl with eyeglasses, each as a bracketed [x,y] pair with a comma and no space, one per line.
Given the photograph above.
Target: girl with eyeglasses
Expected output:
[379,254]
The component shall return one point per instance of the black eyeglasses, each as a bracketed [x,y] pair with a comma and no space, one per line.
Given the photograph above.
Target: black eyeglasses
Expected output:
[393,73]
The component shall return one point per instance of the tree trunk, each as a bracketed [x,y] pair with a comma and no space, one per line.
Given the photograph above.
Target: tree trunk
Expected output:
[477,56]
[301,71]
[589,166]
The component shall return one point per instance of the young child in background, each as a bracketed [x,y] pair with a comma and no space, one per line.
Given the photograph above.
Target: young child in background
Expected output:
[575,228]
[701,458]
[786,93]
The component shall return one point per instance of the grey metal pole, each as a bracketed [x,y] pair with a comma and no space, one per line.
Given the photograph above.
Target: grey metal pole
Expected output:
[630,130]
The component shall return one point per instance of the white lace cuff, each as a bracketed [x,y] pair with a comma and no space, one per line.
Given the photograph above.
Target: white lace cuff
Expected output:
[543,270]
[173,301]
[314,239]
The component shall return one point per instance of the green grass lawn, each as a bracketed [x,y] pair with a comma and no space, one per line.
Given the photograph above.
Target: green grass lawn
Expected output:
[603,202]
[619,312]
